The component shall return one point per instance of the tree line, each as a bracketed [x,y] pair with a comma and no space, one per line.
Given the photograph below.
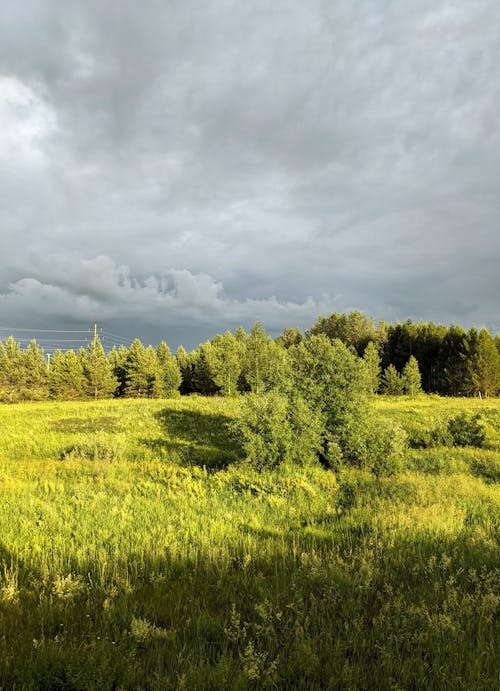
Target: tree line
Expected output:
[398,359]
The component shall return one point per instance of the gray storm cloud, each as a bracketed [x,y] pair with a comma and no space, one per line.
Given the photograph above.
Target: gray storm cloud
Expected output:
[272,154]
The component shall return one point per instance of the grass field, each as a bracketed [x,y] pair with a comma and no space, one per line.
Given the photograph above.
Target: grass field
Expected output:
[136,554]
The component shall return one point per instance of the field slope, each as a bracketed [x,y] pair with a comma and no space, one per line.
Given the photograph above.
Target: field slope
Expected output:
[135,553]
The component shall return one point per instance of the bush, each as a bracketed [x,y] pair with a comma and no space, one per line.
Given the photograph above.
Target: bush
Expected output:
[378,446]
[95,448]
[467,430]
[429,437]
[274,429]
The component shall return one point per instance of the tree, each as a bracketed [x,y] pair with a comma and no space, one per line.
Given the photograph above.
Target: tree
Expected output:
[412,383]
[353,329]
[170,373]
[257,359]
[487,369]
[185,364]
[35,373]
[142,372]
[392,382]
[202,378]
[371,358]
[66,376]
[332,380]
[101,382]
[118,358]
[226,362]
[290,337]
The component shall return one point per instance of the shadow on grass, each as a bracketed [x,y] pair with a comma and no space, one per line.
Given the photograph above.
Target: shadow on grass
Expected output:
[196,438]
[336,616]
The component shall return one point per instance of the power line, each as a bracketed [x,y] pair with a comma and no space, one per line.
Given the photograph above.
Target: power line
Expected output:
[58,331]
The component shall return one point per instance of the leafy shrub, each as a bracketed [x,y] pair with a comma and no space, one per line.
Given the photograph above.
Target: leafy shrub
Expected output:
[420,437]
[376,445]
[95,448]
[274,429]
[467,430]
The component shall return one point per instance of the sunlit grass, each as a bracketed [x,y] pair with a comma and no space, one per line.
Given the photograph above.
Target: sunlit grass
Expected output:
[136,553]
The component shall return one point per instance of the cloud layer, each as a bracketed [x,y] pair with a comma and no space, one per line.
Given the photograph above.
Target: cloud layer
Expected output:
[225,162]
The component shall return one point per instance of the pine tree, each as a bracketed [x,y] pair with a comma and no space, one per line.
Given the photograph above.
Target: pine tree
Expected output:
[35,373]
[142,372]
[412,382]
[185,364]
[169,372]
[371,359]
[12,372]
[67,379]
[117,359]
[101,382]
[392,382]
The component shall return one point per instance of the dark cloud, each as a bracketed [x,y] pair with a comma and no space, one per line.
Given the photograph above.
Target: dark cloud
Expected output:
[192,165]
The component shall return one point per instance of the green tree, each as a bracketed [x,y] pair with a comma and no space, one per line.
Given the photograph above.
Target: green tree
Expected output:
[487,366]
[353,329]
[392,382]
[118,358]
[67,379]
[142,372]
[257,359]
[101,382]
[412,383]
[12,372]
[203,376]
[185,364]
[35,373]
[290,337]
[170,373]
[332,380]
[371,359]
[226,362]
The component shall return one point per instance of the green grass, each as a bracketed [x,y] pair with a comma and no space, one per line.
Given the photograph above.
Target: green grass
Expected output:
[136,554]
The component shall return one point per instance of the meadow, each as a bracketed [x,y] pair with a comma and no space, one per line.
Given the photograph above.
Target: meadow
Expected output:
[137,552]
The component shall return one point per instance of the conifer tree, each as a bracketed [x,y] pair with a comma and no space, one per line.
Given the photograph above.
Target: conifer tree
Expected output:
[142,372]
[11,369]
[412,382]
[35,373]
[392,382]
[67,379]
[118,358]
[101,382]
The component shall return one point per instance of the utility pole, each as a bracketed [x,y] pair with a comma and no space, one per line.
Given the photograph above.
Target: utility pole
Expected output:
[95,333]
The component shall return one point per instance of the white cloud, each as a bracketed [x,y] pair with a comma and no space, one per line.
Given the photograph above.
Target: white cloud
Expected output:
[65,287]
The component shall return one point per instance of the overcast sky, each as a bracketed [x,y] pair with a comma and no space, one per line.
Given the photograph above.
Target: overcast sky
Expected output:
[174,169]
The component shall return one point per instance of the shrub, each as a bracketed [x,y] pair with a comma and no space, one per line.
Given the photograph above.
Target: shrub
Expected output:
[420,437]
[95,448]
[274,428]
[467,430]
[378,446]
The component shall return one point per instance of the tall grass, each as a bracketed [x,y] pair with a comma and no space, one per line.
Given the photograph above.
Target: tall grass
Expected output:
[135,552]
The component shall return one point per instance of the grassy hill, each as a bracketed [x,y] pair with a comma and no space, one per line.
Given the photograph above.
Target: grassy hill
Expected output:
[136,553]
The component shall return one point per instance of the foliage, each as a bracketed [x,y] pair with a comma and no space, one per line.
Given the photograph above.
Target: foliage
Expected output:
[411,379]
[371,358]
[275,429]
[467,430]
[392,382]
[151,571]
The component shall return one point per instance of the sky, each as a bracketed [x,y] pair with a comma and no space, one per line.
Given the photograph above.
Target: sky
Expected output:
[174,169]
